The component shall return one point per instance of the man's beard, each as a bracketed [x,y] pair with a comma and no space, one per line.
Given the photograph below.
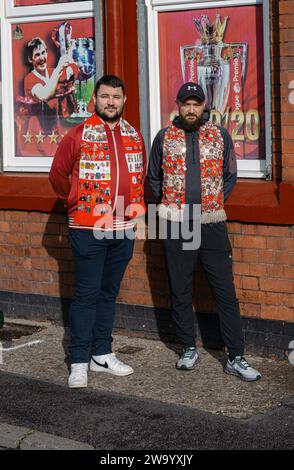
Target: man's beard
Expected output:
[106,118]
[190,126]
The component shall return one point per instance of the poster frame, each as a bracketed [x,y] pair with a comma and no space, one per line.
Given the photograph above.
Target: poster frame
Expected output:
[259,168]
[11,162]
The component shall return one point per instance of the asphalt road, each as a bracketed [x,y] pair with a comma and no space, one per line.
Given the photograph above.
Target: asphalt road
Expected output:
[112,421]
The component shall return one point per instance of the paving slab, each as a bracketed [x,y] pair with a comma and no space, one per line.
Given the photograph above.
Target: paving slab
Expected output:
[11,436]
[45,441]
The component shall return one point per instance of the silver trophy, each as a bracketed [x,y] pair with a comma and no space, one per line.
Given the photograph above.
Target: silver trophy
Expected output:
[80,51]
[209,63]
[83,54]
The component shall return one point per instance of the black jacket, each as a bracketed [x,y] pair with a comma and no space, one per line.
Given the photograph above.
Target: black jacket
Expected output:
[193,187]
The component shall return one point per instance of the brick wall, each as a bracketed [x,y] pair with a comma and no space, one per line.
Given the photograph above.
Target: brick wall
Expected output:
[36,259]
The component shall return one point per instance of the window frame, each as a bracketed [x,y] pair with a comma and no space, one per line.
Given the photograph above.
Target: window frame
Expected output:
[246,168]
[10,16]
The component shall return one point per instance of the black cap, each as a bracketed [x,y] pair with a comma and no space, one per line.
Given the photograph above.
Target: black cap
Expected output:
[190,90]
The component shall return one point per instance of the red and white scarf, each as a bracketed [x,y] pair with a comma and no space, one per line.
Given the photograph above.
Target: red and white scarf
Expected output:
[211,148]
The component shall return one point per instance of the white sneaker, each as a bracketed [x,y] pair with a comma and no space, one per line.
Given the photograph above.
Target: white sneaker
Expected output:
[79,375]
[109,363]
[240,367]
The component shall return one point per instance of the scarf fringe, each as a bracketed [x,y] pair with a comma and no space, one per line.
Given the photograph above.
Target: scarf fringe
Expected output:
[177,215]
[213,217]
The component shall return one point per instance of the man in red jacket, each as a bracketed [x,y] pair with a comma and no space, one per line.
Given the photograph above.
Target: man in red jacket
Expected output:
[99,169]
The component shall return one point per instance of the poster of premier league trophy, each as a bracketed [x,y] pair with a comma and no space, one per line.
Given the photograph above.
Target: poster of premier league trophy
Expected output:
[25,3]
[222,50]
[210,62]
[53,79]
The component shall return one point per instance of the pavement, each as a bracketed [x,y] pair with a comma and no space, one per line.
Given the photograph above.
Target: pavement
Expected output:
[157,408]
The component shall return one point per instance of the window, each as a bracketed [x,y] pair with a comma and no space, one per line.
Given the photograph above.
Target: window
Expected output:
[49,62]
[220,45]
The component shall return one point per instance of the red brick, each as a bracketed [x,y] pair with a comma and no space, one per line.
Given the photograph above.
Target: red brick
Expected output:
[45,217]
[258,269]
[250,296]
[286,35]
[4,227]
[135,272]
[288,118]
[273,231]
[249,310]
[138,259]
[142,246]
[267,256]
[249,255]
[13,251]
[241,268]
[17,239]
[276,285]
[134,298]
[36,240]
[281,271]
[286,7]
[33,227]
[282,257]
[250,283]
[275,298]
[288,160]
[2,215]
[243,241]
[238,281]
[287,244]
[288,131]
[249,229]
[234,227]
[286,63]
[237,254]
[273,243]
[38,252]
[277,313]
[50,264]
[286,21]
[128,284]
[288,174]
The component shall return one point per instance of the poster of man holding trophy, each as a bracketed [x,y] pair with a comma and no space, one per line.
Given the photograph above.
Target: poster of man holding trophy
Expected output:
[57,92]
[221,49]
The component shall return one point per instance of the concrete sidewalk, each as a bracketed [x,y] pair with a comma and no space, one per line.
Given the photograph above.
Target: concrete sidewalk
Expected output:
[205,394]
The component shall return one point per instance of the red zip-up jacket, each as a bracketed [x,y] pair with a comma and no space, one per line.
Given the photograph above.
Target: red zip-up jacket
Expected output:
[64,173]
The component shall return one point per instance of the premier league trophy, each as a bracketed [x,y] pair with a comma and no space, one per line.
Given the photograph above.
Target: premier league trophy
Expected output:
[81,54]
[210,63]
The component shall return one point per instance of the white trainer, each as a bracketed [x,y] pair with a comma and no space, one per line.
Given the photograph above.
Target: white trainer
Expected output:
[240,367]
[79,375]
[109,363]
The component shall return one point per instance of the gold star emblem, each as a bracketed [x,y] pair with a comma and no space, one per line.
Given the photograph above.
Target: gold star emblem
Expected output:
[53,137]
[40,137]
[28,138]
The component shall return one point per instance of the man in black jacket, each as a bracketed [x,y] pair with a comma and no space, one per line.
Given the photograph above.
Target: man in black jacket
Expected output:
[193,165]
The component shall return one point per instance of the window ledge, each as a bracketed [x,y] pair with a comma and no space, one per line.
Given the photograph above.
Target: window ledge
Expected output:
[251,201]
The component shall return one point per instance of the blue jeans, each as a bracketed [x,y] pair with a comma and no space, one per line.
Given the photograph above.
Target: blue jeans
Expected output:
[99,267]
